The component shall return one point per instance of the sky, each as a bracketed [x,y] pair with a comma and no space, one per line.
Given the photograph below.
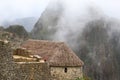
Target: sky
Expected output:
[14,9]
[109,7]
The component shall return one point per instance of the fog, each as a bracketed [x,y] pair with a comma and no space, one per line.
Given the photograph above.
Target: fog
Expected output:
[16,9]
[75,15]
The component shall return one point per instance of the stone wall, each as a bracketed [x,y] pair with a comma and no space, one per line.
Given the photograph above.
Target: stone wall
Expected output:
[6,62]
[32,71]
[6,71]
[71,73]
[10,70]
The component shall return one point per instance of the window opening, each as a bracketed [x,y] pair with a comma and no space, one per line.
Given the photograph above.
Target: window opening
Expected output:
[65,70]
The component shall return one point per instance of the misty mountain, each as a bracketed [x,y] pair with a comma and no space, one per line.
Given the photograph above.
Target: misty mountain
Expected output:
[28,23]
[59,23]
[92,36]
[45,27]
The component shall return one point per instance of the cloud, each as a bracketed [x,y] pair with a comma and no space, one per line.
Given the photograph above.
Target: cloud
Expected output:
[109,7]
[78,12]
[11,9]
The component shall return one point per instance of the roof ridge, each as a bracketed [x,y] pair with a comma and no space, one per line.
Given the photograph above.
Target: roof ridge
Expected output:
[46,41]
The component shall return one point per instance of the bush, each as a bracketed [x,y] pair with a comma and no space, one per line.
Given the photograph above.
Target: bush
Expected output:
[83,78]
[80,79]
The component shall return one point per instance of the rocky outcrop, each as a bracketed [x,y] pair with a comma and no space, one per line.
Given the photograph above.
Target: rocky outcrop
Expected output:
[17,30]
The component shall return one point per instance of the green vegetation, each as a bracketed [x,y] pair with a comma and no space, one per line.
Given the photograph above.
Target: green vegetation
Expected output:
[83,78]
[80,79]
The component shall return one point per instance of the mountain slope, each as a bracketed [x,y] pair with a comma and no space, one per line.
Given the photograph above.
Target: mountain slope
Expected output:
[28,23]
[45,27]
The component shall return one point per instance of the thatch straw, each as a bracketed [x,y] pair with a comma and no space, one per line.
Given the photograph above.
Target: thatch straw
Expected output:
[55,53]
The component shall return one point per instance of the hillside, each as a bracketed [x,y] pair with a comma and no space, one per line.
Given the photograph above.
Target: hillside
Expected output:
[28,23]
[18,30]
[14,34]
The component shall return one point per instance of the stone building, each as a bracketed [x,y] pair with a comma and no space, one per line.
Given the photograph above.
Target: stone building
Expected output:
[10,70]
[63,63]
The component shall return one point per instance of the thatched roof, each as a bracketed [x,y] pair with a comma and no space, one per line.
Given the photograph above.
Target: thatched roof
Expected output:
[55,53]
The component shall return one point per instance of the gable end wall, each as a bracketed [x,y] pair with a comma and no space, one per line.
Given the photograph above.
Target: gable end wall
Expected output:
[71,74]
